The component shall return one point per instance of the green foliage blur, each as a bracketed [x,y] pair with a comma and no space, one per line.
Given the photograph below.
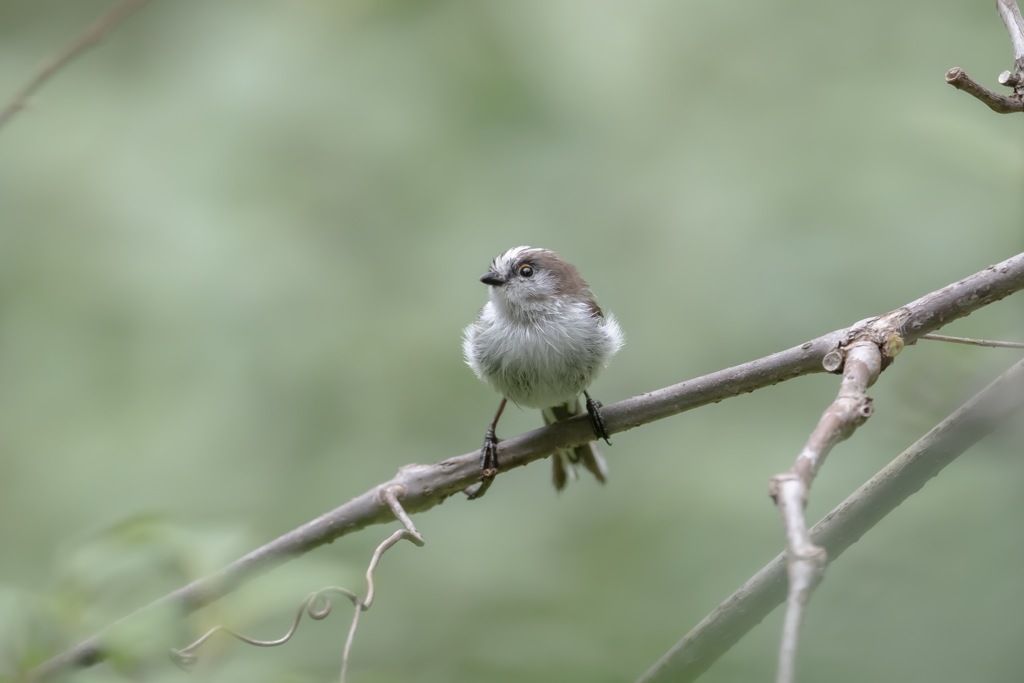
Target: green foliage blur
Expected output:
[240,239]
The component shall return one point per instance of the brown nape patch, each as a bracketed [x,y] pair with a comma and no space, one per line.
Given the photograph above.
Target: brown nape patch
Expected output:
[569,280]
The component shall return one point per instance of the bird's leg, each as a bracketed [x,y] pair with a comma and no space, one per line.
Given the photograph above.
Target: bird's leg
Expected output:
[596,421]
[489,451]
[488,457]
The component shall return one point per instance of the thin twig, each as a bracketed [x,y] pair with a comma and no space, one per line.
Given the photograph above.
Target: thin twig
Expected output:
[991,343]
[425,486]
[346,652]
[88,38]
[806,561]
[365,604]
[843,526]
[390,496]
[317,604]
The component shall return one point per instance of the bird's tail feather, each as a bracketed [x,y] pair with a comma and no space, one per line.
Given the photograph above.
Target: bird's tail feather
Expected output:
[565,461]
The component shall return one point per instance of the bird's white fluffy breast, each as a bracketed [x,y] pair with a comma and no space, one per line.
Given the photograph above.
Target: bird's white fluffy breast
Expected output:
[543,361]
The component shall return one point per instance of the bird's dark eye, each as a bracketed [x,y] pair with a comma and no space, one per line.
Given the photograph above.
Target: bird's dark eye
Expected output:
[526,270]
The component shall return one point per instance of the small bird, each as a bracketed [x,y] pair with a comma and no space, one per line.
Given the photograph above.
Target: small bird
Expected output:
[540,341]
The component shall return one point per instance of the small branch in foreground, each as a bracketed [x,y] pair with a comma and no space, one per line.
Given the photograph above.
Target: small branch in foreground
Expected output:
[318,603]
[843,526]
[428,485]
[88,38]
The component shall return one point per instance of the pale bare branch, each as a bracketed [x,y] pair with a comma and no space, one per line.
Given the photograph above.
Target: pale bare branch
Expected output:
[805,560]
[1014,23]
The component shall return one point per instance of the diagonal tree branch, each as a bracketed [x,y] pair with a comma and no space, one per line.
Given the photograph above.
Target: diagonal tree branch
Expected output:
[425,486]
[843,526]
[90,37]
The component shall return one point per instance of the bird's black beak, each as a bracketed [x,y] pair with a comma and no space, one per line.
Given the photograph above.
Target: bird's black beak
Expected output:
[492,278]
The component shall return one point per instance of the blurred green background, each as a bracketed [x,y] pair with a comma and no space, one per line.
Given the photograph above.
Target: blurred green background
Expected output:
[239,242]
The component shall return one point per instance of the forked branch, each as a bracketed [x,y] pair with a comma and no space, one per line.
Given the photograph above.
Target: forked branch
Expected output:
[1009,12]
